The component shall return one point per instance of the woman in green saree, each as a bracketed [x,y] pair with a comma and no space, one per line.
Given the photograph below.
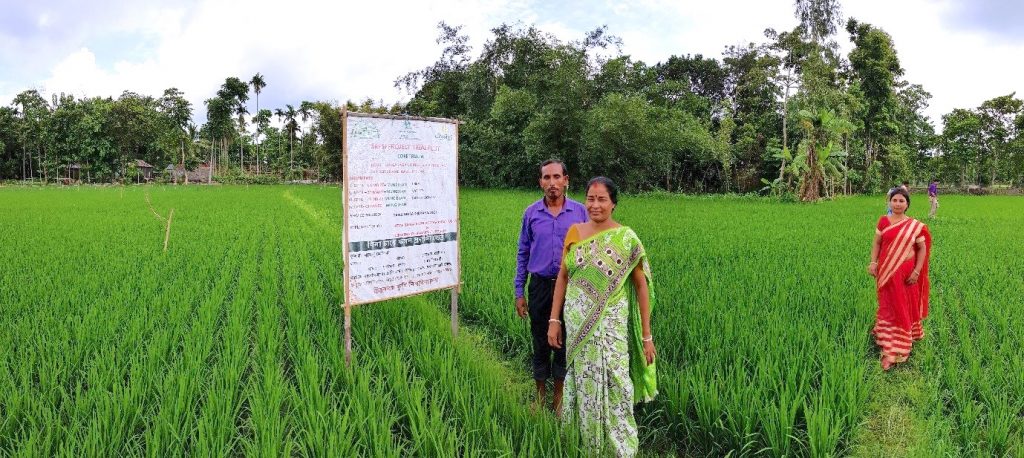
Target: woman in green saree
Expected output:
[604,287]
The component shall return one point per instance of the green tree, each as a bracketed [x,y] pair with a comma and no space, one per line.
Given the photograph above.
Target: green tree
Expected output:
[34,112]
[262,121]
[258,83]
[703,83]
[77,137]
[999,117]
[753,101]
[439,85]
[234,92]
[133,124]
[876,69]
[218,125]
[819,156]
[289,116]
[9,155]
[178,115]
[326,127]
[962,145]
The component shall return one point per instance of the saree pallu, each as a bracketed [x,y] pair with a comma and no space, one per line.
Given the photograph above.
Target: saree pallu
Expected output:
[901,307]
[607,370]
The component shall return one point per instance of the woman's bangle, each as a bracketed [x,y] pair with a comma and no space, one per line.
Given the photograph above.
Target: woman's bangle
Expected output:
[873,262]
[648,339]
[916,272]
[554,321]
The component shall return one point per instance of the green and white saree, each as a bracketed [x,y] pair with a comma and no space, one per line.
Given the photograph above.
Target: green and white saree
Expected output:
[607,370]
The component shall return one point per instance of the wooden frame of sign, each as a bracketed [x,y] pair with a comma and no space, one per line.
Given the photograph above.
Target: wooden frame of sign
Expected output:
[347,249]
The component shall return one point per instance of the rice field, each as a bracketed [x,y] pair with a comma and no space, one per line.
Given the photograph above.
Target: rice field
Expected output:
[230,342]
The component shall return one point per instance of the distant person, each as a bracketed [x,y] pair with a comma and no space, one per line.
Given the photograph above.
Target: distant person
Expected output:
[899,263]
[888,206]
[605,295]
[541,237]
[933,197]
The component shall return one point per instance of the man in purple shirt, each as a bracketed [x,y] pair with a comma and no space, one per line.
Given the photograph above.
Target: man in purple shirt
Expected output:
[545,223]
[933,196]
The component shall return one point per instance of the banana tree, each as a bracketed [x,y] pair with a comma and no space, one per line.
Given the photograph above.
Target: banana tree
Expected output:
[817,157]
[787,171]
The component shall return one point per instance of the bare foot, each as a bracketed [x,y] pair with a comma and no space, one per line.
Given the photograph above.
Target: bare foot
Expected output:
[887,363]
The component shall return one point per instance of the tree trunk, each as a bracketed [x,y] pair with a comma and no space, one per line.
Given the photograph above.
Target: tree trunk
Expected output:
[209,167]
[995,165]
[846,165]
[867,158]
[785,110]
[811,187]
[255,140]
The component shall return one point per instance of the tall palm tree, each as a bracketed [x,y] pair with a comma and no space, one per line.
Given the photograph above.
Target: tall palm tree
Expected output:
[258,83]
[241,111]
[305,112]
[192,132]
[290,124]
[262,121]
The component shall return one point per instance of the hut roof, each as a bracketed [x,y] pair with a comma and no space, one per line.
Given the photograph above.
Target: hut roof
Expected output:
[142,163]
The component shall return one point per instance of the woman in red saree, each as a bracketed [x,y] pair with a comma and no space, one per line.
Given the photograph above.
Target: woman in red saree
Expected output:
[899,263]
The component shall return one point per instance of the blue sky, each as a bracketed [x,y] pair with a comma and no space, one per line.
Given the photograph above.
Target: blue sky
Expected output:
[962,52]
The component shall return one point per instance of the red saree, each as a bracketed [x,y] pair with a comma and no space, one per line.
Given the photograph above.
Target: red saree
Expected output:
[901,307]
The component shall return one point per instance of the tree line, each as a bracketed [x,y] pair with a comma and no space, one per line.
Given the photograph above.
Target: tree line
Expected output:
[102,137]
[791,116]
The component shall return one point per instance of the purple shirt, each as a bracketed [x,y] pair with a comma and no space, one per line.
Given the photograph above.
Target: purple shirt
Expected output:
[933,190]
[541,239]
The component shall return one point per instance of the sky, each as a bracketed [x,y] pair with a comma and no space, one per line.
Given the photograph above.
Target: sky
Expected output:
[963,52]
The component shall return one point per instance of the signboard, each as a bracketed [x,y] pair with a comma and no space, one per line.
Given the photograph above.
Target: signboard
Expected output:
[401,208]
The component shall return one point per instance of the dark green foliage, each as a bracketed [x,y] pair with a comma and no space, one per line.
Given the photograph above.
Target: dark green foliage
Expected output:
[689,123]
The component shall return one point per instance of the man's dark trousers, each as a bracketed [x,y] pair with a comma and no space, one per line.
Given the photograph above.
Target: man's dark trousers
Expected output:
[540,293]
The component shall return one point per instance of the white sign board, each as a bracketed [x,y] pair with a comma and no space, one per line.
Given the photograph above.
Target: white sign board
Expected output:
[401,207]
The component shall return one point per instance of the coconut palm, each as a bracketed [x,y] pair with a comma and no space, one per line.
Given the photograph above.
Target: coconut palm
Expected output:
[292,126]
[258,83]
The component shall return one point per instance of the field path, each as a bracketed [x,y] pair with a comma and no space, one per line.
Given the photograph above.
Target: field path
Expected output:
[893,424]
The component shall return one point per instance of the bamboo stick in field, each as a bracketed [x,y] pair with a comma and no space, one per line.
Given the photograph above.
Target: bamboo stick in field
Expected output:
[167,235]
[455,311]
[344,236]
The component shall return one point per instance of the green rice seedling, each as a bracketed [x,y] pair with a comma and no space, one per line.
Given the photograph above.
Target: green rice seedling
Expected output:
[230,343]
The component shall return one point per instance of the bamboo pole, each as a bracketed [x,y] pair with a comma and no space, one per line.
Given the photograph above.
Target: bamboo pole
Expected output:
[344,237]
[167,235]
[455,311]
[458,242]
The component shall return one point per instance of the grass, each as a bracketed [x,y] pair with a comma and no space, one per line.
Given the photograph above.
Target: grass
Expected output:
[230,343]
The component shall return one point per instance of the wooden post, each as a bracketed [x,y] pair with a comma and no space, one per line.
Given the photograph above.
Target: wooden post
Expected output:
[167,235]
[344,236]
[455,311]
[458,241]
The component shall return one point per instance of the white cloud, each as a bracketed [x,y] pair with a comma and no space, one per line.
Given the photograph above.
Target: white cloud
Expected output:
[309,49]
[959,68]
[305,49]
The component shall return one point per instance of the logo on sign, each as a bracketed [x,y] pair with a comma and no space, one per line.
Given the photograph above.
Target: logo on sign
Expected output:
[444,132]
[407,132]
[364,130]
